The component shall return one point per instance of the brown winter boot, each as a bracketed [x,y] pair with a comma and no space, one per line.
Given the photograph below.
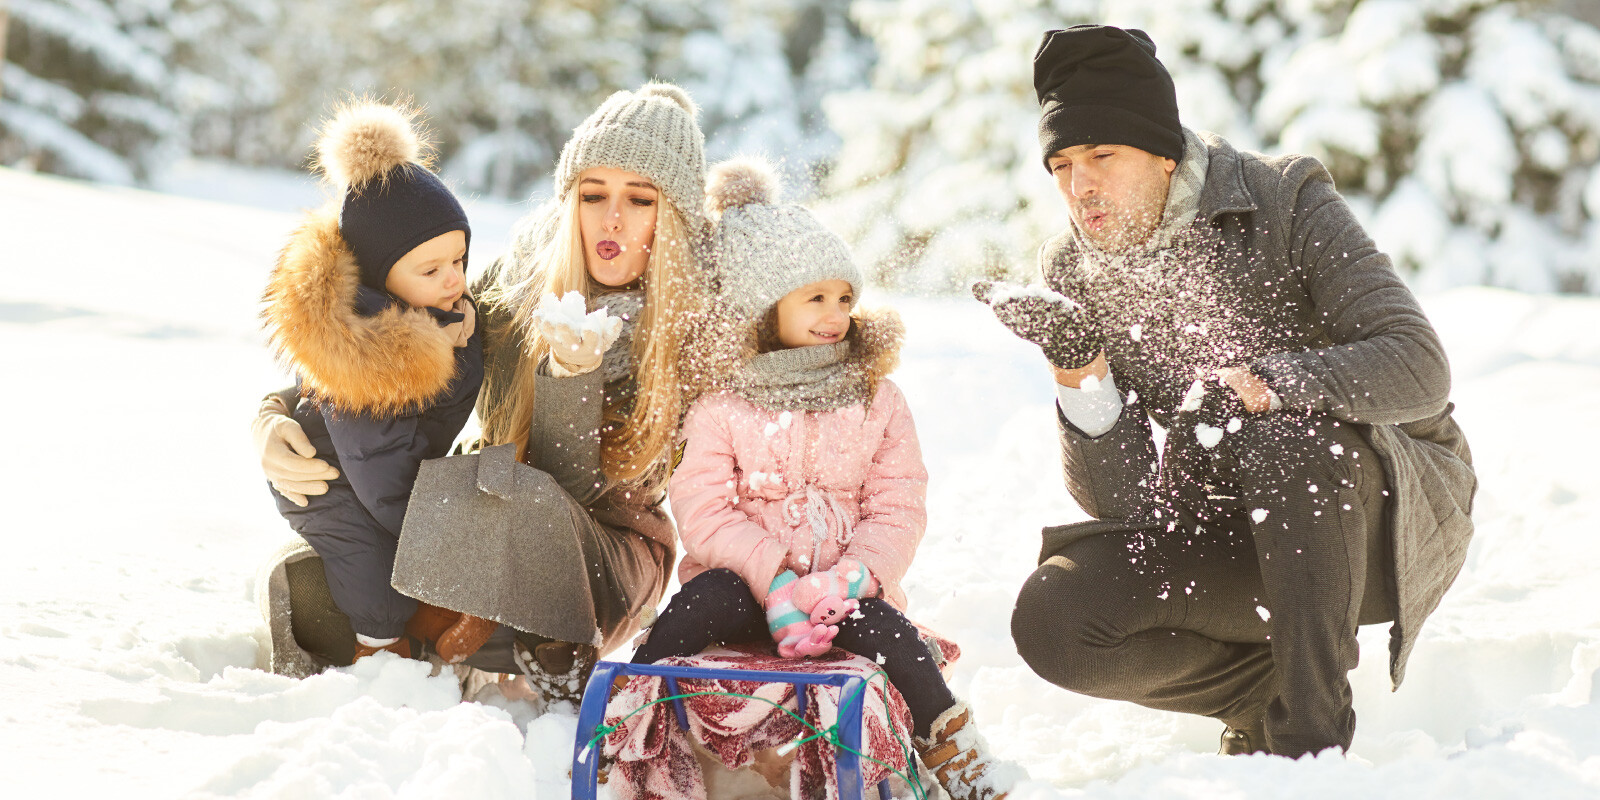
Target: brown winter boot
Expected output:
[960,758]
[1244,740]
[430,622]
[464,638]
[556,670]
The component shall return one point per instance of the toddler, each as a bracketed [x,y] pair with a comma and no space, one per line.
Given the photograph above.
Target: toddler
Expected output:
[367,305]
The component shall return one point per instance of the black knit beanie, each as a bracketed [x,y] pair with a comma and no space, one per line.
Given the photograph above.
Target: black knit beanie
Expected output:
[1103,85]
[384,219]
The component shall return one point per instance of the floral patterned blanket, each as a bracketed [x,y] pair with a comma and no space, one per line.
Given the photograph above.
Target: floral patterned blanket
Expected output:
[651,758]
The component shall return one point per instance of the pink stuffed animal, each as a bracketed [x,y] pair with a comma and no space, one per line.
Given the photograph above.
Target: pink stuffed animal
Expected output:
[803,613]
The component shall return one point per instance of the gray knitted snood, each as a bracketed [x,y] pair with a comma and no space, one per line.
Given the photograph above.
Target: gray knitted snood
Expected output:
[618,361]
[818,378]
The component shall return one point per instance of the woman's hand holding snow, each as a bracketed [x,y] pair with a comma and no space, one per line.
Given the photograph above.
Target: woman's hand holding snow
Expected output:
[1049,319]
[795,628]
[578,338]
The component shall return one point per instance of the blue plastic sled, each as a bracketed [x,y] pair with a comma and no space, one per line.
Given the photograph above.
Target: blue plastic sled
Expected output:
[586,766]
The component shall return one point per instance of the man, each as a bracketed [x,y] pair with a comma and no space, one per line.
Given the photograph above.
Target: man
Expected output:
[1312,478]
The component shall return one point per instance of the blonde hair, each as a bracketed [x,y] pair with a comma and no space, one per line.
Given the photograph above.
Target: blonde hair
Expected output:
[633,445]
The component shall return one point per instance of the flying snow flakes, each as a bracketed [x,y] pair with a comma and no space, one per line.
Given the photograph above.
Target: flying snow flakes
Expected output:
[771,428]
[1262,612]
[1337,449]
[1193,397]
[1258,515]
[1235,424]
[1136,333]
[1207,435]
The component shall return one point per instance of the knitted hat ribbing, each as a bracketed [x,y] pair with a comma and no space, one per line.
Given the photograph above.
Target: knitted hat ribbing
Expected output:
[766,250]
[654,132]
[1098,84]
[372,153]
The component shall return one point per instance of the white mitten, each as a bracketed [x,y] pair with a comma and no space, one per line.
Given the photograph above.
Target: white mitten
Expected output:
[578,338]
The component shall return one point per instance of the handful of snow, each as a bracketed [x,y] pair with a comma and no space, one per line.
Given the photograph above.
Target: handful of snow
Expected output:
[578,338]
[571,312]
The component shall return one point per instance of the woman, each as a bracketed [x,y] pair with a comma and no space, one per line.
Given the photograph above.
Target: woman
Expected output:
[625,231]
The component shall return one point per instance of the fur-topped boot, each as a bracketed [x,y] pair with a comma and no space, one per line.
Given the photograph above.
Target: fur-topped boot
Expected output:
[960,758]
[558,671]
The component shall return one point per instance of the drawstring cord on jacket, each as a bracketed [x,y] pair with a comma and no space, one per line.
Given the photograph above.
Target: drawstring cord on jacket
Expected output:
[815,505]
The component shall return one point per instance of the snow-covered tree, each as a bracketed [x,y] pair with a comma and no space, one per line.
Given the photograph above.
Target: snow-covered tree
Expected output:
[108,88]
[1467,132]
[504,81]
[85,90]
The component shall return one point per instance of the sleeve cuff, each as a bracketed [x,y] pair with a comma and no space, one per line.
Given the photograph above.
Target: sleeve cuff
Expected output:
[1092,408]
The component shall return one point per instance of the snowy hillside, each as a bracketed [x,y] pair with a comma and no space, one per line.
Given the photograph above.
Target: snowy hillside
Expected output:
[129,641]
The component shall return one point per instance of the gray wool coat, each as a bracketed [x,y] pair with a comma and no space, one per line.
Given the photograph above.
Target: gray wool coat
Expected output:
[1276,274]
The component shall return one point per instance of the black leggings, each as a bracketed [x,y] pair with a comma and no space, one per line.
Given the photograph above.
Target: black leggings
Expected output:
[716,607]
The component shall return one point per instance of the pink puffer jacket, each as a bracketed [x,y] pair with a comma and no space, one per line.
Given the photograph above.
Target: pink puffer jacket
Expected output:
[761,491]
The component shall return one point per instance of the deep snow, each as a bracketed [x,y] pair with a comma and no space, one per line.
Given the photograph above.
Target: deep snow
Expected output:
[130,643]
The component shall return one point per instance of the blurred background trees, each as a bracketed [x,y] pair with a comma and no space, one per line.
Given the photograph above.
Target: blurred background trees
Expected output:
[1465,132]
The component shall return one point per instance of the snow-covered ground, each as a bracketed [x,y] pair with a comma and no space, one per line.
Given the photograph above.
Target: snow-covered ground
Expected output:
[135,518]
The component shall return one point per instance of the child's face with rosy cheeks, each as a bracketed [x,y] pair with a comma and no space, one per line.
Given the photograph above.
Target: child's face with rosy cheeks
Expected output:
[817,313]
[617,213]
[431,274]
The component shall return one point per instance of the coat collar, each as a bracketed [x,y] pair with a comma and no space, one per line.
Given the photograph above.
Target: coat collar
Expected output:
[1225,191]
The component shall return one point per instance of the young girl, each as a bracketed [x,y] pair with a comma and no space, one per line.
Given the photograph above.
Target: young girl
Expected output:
[367,304]
[800,495]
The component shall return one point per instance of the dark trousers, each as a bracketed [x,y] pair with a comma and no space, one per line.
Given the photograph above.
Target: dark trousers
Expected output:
[716,607]
[357,557]
[1241,600]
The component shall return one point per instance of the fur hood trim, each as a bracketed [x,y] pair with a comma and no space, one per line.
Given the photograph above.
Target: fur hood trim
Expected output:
[392,362]
[876,335]
[880,334]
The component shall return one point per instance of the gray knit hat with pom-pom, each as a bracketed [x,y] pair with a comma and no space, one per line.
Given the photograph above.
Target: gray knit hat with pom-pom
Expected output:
[766,249]
[655,132]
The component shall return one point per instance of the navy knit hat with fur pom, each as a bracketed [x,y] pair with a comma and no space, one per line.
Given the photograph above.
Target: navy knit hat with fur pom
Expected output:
[1098,84]
[372,152]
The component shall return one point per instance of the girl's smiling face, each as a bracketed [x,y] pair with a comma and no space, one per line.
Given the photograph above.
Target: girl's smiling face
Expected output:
[817,313]
[617,213]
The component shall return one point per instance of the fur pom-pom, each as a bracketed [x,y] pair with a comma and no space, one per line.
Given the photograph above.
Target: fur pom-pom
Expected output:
[365,140]
[740,181]
[674,93]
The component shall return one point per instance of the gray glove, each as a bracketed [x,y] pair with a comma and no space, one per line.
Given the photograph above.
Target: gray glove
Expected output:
[1048,319]
[287,456]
